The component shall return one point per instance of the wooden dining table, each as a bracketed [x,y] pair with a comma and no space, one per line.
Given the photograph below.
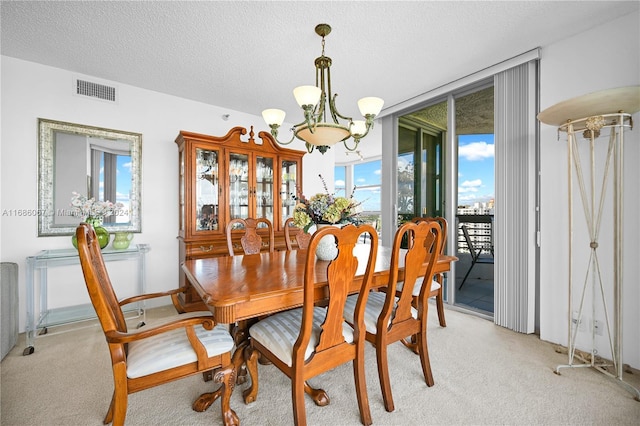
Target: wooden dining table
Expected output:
[237,289]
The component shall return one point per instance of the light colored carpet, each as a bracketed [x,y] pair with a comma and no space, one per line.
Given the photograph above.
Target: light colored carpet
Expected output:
[484,374]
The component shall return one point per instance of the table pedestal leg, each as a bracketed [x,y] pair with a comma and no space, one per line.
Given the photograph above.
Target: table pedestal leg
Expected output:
[226,377]
[319,396]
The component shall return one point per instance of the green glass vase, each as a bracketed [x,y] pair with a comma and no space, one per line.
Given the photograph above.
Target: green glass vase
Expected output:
[101,232]
[122,240]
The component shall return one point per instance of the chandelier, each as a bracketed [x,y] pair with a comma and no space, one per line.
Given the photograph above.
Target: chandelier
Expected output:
[316,131]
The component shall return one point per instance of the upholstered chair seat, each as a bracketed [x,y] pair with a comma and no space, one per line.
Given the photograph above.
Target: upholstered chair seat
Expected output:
[375,303]
[173,349]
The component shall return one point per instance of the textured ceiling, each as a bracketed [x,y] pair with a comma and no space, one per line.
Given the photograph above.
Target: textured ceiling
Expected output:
[474,114]
[249,55]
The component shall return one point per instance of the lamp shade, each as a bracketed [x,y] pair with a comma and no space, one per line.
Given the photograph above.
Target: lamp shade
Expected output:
[324,134]
[307,95]
[370,106]
[359,127]
[273,116]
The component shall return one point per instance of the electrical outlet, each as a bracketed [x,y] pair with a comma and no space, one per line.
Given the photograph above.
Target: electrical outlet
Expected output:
[598,327]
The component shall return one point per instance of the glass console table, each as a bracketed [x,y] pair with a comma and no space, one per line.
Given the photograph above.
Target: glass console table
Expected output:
[39,316]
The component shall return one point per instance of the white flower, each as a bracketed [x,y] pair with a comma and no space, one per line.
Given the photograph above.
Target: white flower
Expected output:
[86,208]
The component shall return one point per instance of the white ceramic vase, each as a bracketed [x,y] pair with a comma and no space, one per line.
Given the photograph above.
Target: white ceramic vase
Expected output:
[327,248]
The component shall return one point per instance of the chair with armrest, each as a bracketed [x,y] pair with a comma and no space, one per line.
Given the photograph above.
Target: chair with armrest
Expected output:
[475,251]
[390,315]
[251,240]
[301,238]
[176,347]
[313,339]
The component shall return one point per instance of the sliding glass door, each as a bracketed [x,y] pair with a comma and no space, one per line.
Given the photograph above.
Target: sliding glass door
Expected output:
[474,136]
[511,119]
[422,136]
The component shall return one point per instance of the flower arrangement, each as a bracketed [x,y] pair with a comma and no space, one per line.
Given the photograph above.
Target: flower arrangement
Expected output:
[91,210]
[325,209]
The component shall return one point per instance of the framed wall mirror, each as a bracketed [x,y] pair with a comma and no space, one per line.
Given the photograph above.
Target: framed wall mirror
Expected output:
[99,163]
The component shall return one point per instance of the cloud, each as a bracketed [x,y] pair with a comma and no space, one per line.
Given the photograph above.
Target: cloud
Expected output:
[462,190]
[470,186]
[472,183]
[339,183]
[476,151]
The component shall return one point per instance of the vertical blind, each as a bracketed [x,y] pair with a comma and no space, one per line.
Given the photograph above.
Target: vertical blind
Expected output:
[516,202]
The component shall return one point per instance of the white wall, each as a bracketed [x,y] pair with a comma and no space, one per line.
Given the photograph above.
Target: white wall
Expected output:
[604,57]
[30,91]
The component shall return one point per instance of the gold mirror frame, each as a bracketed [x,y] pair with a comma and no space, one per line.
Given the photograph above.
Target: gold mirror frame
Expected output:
[48,212]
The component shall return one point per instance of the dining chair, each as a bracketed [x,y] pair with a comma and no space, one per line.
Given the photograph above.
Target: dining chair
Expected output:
[475,251]
[251,241]
[437,285]
[301,238]
[154,354]
[307,341]
[390,316]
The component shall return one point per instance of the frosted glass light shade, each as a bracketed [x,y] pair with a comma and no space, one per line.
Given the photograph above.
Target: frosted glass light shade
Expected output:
[359,127]
[273,116]
[325,134]
[370,105]
[307,95]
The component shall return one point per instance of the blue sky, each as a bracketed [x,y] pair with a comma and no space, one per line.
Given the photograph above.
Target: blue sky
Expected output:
[365,173]
[123,179]
[123,184]
[475,168]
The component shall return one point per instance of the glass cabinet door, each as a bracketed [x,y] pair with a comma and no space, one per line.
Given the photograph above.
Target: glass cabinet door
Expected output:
[264,190]
[239,189]
[206,189]
[288,187]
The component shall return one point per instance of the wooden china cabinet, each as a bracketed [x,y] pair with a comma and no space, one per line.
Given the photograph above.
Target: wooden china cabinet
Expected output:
[225,177]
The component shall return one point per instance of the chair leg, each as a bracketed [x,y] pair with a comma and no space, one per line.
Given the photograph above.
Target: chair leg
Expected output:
[119,407]
[297,397]
[440,303]
[361,389]
[250,394]
[424,358]
[109,417]
[465,277]
[411,343]
[383,374]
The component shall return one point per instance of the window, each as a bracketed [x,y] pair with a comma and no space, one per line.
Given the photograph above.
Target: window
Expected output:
[340,181]
[111,178]
[367,180]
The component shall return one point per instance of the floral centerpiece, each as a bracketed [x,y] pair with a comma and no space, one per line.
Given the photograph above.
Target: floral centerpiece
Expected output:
[92,211]
[325,208]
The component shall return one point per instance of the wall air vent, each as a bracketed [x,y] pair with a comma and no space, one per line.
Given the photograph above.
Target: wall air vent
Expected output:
[95,90]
